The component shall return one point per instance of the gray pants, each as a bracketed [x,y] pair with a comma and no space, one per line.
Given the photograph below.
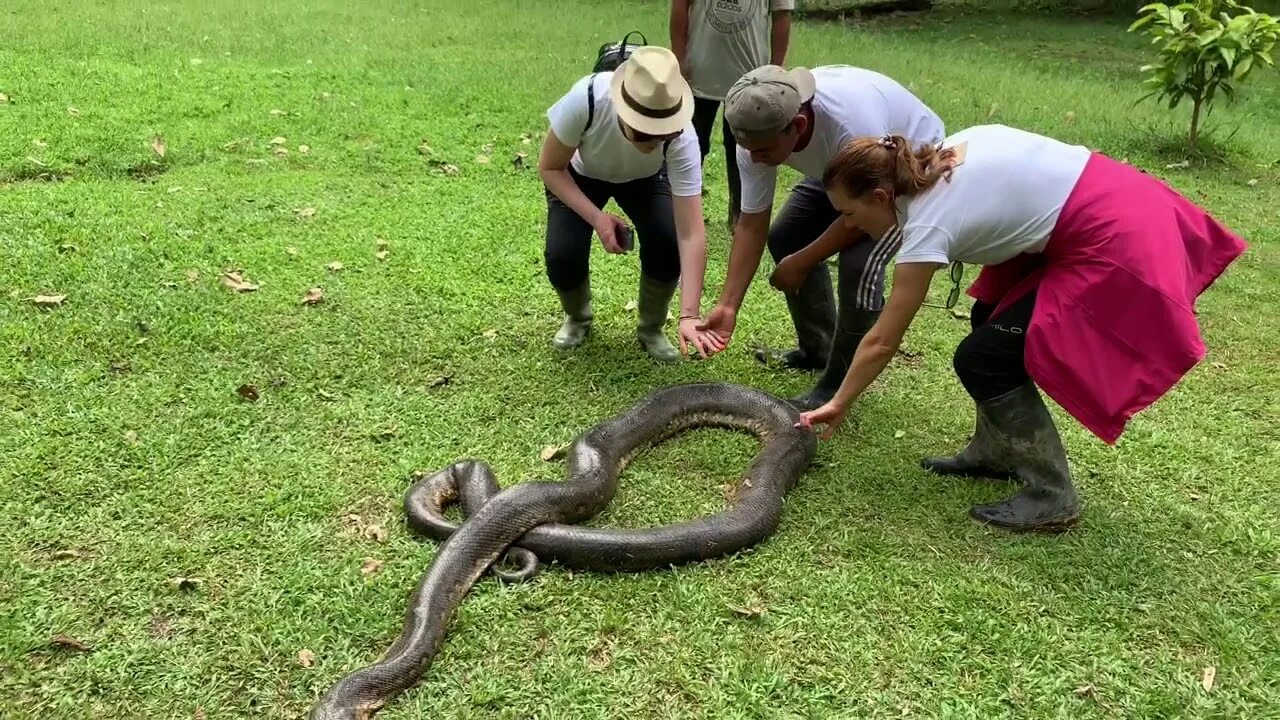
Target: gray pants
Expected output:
[805,216]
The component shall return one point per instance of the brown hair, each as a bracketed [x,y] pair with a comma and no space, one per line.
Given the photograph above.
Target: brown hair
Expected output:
[888,162]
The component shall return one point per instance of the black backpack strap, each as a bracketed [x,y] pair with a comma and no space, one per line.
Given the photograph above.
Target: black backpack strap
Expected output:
[591,102]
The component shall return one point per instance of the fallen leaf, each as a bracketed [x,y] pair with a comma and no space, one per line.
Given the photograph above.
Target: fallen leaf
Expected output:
[1207,676]
[1070,118]
[68,248]
[193,275]
[1252,182]
[630,306]
[72,111]
[601,655]
[992,112]
[314,296]
[131,437]
[525,139]
[551,452]
[326,395]
[335,266]
[68,555]
[382,244]
[482,159]
[387,434]
[518,162]
[66,641]
[3,98]
[277,112]
[39,143]
[160,627]
[899,434]
[753,610]
[306,212]
[158,146]
[377,533]
[370,566]
[1196,496]
[200,715]
[449,169]
[306,658]
[291,251]
[1087,690]
[424,148]
[197,61]
[381,254]
[169,284]
[1218,366]
[959,314]
[235,281]
[248,392]
[304,149]
[730,492]
[186,584]
[1178,165]
[440,380]
[487,149]
[278,140]
[48,301]
[491,333]
[120,367]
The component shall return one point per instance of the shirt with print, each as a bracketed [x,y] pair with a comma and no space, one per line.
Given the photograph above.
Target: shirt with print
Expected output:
[604,153]
[1002,200]
[728,39]
[848,103]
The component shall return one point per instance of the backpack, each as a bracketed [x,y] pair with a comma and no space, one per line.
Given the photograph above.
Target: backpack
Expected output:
[608,58]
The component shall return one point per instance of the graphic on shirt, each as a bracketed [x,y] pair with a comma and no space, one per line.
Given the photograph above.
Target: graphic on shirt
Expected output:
[729,16]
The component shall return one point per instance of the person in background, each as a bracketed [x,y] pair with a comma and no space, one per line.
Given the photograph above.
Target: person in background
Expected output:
[617,135]
[717,42]
[1090,274]
[801,118]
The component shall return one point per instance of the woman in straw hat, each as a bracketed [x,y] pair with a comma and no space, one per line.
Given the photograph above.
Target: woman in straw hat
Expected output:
[627,135]
[1090,274]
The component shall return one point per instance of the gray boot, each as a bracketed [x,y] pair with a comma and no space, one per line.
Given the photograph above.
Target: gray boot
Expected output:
[576,304]
[813,313]
[1047,500]
[851,326]
[651,307]
[980,458]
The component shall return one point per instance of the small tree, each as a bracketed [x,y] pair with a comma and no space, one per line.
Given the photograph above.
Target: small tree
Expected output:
[1205,46]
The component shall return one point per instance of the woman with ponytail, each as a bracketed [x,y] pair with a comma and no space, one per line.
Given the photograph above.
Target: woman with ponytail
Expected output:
[1090,274]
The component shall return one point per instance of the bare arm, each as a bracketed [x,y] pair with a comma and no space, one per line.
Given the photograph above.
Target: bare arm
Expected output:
[780,38]
[691,235]
[878,346]
[679,29]
[553,166]
[749,238]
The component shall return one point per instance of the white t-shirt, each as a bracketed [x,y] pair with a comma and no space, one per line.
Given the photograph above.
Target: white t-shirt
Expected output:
[728,39]
[1002,201]
[604,153]
[849,102]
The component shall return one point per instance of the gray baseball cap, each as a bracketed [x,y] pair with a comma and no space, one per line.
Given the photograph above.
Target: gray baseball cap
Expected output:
[767,98]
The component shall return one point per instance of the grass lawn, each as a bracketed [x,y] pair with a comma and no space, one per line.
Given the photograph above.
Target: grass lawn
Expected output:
[130,461]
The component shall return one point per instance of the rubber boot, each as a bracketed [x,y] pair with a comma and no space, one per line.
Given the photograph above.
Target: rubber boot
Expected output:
[980,458]
[851,326]
[1047,500]
[813,313]
[651,307]
[576,304]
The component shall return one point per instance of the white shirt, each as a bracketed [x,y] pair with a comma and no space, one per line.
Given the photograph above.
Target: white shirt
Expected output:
[1002,201]
[728,39]
[604,153]
[849,102]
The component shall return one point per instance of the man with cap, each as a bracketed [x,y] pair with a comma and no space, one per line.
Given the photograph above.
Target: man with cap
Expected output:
[716,42]
[616,135]
[801,118]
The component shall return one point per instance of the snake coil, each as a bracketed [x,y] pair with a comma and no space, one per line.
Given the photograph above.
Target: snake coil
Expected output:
[533,522]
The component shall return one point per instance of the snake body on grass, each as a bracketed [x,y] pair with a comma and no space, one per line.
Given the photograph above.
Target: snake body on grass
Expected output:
[533,522]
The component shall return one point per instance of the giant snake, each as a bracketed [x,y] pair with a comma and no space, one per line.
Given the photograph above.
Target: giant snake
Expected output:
[533,522]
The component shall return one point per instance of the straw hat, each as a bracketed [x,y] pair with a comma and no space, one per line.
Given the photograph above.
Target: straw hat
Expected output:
[649,93]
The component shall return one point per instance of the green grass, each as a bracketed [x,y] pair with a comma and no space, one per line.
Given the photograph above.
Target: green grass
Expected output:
[129,460]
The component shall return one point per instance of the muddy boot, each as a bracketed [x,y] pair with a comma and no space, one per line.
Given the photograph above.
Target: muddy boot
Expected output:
[576,304]
[980,458]
[813,313]
[652,306]
[1047,500]
[851,326]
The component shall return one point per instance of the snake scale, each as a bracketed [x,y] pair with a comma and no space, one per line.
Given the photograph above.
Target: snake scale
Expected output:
[533,522]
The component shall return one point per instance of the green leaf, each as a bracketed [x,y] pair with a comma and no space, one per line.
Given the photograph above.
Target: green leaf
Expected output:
[1228,54]
[1243,68]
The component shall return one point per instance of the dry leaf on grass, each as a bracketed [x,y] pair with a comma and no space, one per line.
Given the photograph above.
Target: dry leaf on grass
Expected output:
[382,244]
[752,610]
[899,434]
[482,159]
[518,162]
[601,655]
[306,658]
[1069,117]
[186,583]
[68,555]
[68,248]
[193,276]
[72,111]
[1252,182]
[3,98]
[630,306]
[291,251]
[375,532]
[326,396]
[335,266]
[131,437]
[994,109]
[277,112]
[490,333]
[248,392]
[305,213]
[382,254]
[551,452]
[1087,690]
[280,151]
[1207,677]
[68,642]
[370,566]
[235,280]
[525,139]
[169,284]
[157,144]
[424,148]
[1178,165]
[314,296]
[304,149]
[48,301]
[440,380]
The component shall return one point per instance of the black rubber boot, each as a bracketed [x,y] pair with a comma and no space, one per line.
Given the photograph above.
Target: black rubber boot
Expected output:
[576,304]
[654,302]
[851,326]
[813,313]
[980,458]
[1047,501]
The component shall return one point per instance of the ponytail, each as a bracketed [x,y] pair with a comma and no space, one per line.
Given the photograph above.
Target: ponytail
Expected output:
[888,162]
